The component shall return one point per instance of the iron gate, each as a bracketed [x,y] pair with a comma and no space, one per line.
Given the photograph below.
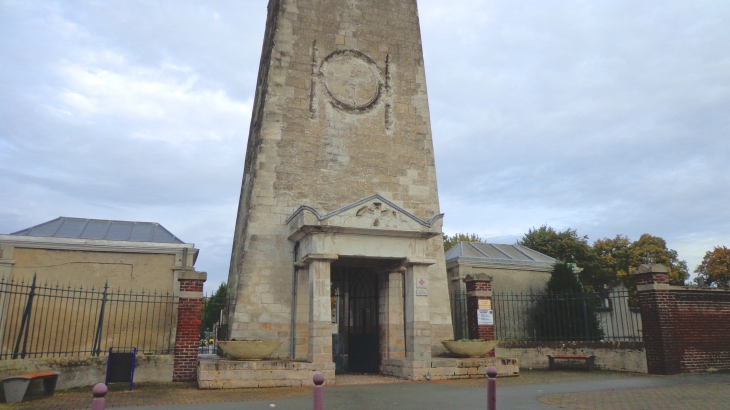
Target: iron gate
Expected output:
[355,346]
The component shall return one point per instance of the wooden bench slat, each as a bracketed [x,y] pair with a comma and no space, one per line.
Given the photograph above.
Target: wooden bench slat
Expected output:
[569,356]
[30,376]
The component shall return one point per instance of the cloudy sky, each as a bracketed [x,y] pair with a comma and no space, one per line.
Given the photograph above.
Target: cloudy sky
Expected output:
[606,116]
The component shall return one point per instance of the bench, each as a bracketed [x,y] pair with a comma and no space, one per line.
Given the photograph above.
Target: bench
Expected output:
[590,360]
[16,386]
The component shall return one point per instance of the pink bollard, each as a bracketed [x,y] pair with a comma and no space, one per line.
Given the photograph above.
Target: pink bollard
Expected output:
[492,389]
[99,391]
[318,393]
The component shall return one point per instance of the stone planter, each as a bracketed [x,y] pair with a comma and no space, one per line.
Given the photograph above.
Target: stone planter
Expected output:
[248,349]
[470,349]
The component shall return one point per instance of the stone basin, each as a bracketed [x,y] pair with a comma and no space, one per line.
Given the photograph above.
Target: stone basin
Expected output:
[470,349]
[248,349]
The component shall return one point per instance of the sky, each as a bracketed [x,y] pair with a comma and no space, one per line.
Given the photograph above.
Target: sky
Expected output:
[608,117]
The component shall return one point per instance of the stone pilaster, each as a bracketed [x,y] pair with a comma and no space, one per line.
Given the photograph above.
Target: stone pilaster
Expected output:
[320,308]
[393,327]
[187,336]
[418,324]
[479,297]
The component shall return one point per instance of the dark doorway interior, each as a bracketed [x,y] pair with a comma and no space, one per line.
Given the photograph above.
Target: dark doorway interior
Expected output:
[355,346]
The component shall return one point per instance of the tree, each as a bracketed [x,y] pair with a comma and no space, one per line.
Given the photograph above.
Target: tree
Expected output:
[212,308]
[451,241]
[566,312]
[613,259]
[653,249]
[567,246]
[715,267]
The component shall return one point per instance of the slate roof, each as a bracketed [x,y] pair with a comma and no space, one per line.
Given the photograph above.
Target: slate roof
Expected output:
[80,228]
[496,253]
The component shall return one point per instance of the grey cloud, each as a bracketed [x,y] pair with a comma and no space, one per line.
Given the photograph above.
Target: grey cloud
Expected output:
[605,116]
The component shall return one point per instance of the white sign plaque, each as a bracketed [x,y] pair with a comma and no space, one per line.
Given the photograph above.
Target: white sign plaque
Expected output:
[485,317]
[421,286]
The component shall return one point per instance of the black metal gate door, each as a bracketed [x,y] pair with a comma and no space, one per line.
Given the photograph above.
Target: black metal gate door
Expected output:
[356,347]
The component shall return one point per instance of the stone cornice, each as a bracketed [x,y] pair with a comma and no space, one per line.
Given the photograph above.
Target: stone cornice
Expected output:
[72,244]
[427,223]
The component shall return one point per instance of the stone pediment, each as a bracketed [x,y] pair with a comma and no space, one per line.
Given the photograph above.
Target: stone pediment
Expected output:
[375,215]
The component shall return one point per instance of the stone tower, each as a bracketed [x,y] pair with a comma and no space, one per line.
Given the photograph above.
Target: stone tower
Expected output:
[337,250]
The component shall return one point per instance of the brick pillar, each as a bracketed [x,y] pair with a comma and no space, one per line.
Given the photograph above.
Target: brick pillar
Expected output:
[663,354]
[479,297]
[189,309]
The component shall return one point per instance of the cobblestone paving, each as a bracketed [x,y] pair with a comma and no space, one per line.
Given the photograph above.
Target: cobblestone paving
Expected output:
[546,376]
[697,393]
[352,379]
[695,396]
[151,394]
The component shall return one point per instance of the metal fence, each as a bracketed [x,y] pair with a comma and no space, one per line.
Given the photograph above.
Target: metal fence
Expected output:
[52,321]
[458,316]
[589,316]
[215,310]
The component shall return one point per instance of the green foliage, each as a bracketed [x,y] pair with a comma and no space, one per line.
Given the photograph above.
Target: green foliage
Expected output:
[451,241]
[715,267]
[566,312]
[568,247]
[565,246]
[212,308]
[563,280]
[653,249]
[609,260]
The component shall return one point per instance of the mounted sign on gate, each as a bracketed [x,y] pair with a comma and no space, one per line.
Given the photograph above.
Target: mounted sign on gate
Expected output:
[120,366]
[485,317]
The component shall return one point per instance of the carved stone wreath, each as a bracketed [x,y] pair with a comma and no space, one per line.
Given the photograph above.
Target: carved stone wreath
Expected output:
[352,80]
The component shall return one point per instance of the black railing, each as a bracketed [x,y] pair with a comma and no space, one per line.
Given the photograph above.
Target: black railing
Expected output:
[588,316]
[52,321]
[215,311]
[458,316]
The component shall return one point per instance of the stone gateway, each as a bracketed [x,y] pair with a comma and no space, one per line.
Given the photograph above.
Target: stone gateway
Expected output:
[337,250]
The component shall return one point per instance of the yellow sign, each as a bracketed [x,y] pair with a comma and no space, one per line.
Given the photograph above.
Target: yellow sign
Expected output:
[485,304]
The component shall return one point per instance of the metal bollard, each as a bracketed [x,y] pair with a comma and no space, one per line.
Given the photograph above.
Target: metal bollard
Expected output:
[99,391]
[492,389]
[318,393]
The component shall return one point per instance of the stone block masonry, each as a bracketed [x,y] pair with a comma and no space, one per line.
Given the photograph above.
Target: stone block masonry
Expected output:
[340,173]
[189,310]
[232,374]
[686,329]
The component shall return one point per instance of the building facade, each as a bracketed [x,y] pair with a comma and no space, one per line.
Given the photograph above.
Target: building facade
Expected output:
[339,229]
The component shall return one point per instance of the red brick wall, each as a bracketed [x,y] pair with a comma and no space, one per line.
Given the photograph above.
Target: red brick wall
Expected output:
[188,332]
[484,332]
[685,329]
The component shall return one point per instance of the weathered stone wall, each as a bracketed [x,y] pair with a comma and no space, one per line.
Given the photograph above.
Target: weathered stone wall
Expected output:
[231,374]
[618,356]
[93,269]
[87,371]
[341,113]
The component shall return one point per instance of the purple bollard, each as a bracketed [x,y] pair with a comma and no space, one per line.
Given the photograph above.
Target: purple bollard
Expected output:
[318,393]
[492,389]
[99,391]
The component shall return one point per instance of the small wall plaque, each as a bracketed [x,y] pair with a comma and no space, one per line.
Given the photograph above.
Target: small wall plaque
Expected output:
[485,304]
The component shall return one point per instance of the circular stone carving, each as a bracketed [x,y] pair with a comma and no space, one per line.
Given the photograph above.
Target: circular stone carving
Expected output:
[352,80]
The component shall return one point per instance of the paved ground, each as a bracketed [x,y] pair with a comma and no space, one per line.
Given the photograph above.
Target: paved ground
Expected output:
[532,390]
